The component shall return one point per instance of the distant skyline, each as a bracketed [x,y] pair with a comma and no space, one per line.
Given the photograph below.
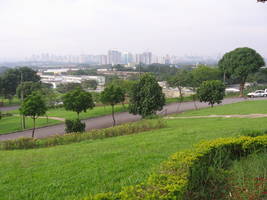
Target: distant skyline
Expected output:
[184,27]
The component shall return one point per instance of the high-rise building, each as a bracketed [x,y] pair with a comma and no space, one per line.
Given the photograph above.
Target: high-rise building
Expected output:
[114,57]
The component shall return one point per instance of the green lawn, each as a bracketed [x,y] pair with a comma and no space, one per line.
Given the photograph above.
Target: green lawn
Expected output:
[12,124]
[75,170]
[247,107]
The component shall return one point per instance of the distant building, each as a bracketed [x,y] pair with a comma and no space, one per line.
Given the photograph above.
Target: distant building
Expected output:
[114,57]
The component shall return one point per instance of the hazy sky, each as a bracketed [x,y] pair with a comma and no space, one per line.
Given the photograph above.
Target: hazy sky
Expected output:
[200,27]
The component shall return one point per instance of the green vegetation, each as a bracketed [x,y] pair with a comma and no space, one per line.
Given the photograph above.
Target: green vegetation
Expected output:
[106,165]
[12,124]
[240,108]
[248,177]
[212,91]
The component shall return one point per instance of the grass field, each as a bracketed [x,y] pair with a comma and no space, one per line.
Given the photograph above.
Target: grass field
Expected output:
[12,124]
[247,107]
[75,170]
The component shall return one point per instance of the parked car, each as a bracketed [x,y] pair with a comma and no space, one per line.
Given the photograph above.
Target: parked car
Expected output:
[258,93]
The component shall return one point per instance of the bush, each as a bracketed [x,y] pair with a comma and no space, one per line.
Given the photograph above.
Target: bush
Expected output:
[191,174]
[74,126]
[125,129]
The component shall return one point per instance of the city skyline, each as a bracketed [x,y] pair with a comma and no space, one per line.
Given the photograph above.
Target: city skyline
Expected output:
[187,27]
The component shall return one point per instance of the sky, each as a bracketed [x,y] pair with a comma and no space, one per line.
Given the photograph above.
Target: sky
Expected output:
[175,27]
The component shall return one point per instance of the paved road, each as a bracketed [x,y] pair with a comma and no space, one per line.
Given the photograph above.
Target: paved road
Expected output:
[106,121]
[9,108]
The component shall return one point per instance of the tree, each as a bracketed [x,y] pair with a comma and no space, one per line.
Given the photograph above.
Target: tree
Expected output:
[112,95]
[212,91]
[205,73]
[241,62]
[78,100]
[66,87]
[13,77]
[146,97]
[33,106]
[180,80]
[28,87]
[92,84]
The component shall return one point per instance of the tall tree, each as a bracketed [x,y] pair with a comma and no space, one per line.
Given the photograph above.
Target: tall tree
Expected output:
[67,87]
[241,62]
[89,84]
[27,88]
[33,106]
[78,100]
[112,95]
[205,73]
[212,91]
[146,96]
[13,77]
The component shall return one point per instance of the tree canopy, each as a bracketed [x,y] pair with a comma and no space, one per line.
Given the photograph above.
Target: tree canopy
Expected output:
[33,106]
[78,100]
[112,95]
[241,62]
[146,97]
[212,91]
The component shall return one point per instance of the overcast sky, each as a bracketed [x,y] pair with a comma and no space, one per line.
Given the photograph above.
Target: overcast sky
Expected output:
[179,27]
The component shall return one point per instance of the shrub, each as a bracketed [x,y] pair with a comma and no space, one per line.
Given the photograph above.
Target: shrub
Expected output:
[74,126]
[189,174]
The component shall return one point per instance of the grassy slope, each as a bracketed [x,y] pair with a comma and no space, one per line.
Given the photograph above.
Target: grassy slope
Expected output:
[12,124]
[105,165]
[247,107]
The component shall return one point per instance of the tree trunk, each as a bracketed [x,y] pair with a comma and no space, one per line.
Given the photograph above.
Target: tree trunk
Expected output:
[242,86]
[113,117]
[33,130]
[181,98]
[194,99]
[78,114]
[23,121]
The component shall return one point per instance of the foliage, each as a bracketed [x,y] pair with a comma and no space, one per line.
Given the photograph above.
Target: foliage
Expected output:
[89,84]
[112,95]
[180,80]
[161,71]
[78,100]
[211,91]
[67,87]
[28,88]
[239,63]
[203,73]
[13,77]
[125,129]
[188,175]
[74,126]
[126,85]
[33,106]
[146,96]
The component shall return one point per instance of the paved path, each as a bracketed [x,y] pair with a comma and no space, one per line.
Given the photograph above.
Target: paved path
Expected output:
[9,108]
[106,121]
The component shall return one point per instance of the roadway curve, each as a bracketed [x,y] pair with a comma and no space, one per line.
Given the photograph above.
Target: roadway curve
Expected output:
[106,121]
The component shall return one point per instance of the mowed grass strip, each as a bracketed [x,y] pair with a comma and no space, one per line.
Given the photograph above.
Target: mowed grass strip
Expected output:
[76,170]
[241,108]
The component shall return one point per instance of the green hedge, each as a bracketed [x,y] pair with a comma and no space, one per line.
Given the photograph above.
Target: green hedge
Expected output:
[185,174]
[125,129]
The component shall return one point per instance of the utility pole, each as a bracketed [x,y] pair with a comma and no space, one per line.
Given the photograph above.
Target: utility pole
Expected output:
[21,100]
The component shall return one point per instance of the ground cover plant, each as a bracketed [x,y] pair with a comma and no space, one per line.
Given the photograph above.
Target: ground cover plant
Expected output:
[78,169]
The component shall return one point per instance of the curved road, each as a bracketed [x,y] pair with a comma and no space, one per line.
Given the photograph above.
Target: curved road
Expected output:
[106,121]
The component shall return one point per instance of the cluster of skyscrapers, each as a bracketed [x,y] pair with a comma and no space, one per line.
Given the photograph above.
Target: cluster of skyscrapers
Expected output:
[113,57]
